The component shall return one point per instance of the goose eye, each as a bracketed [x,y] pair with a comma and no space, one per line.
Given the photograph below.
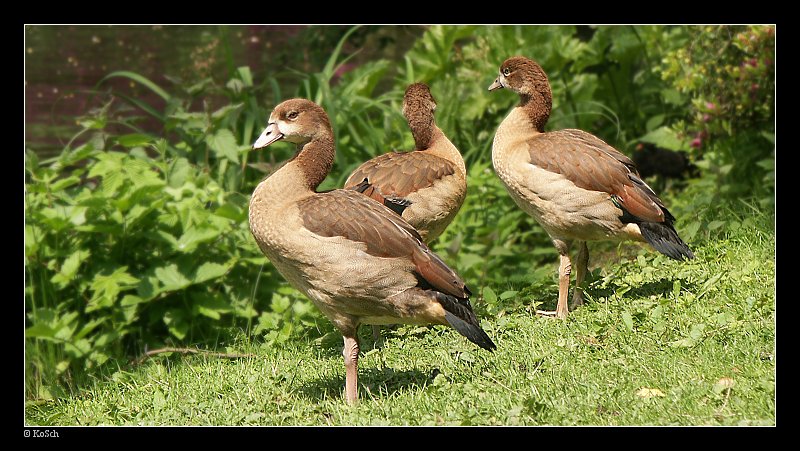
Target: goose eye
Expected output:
[506,72]
[292,116]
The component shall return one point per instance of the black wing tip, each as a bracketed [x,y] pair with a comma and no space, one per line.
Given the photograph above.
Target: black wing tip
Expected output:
[361,186]
[472,332]
[397,204]
[664,238]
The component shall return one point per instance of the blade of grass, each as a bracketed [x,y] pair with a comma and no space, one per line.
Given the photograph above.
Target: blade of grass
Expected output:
[139,79]
[141,105]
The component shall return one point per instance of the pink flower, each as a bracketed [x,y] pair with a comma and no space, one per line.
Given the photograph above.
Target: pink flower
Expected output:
[696,143]
[710,106]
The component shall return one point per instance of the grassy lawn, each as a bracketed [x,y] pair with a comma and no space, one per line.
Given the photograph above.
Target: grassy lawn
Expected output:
[659,342]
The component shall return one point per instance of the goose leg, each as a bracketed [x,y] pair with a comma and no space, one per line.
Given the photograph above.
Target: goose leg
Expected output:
[564,271]
[350,353]
[581,264]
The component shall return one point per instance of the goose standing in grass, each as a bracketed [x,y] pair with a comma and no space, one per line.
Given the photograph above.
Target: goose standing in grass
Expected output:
[574,184]
[357,260]
[426,186]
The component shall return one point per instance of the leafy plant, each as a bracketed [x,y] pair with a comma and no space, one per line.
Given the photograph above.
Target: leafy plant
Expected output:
[728,73]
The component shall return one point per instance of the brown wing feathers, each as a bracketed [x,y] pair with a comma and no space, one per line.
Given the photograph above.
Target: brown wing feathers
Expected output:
[398,174]
[396,204]
[352,216]
[592,164]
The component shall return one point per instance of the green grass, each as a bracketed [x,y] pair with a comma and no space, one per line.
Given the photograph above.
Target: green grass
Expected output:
[659,342]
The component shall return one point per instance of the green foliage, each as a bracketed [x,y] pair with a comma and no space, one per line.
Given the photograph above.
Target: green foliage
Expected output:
[134,240]
[728,74]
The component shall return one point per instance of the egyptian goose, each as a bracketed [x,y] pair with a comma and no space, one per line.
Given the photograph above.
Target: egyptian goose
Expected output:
[575,185]
[357,260]
[426,186]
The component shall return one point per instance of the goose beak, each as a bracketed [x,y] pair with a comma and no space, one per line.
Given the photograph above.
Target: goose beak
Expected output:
[269,136]
[496,85]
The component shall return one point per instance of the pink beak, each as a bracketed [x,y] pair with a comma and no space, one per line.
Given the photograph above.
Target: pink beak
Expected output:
[269,136]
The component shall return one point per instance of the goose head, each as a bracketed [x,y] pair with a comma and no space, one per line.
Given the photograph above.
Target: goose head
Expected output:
[298,121]
[527,78]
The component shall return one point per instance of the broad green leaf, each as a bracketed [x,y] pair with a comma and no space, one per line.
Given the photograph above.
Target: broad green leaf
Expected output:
[166,237]
[211,306]
[697,331]
[208,271]
[191,238]
[90,326]
[223,143]
[627,320]
[508,294]
[280,303]
[767,163]
[171,278]
[654,122]
[134,140]
[672,96]
[468,260]
[106,288]
[40,330]
[179,171]
[70,267]
[227,109]
[231,211]
[62,366]
[130,299]
[176,323]
[489,295]
[78,348]
[666,138]
[64,183]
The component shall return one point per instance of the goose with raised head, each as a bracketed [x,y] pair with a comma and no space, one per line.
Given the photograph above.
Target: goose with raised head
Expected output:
[357,260]
[576,186]
[426,186]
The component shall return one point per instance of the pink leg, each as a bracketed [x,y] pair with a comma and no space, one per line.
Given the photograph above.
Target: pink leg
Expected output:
[350,353]
[564,271]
